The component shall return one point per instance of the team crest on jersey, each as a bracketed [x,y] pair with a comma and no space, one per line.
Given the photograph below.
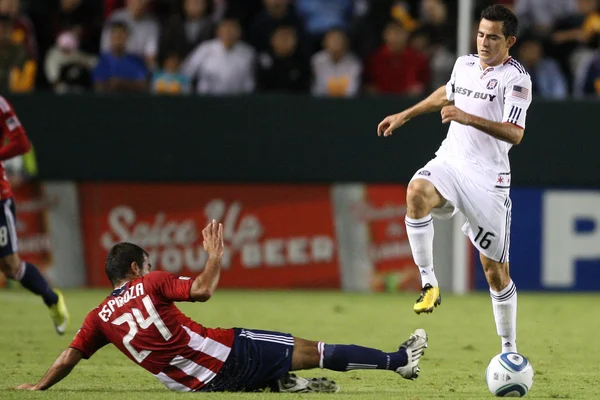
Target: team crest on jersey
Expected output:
[491,85]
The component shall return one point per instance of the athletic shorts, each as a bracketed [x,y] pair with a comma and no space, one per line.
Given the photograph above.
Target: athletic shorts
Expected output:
[8,228]
[487,209]
[257,360]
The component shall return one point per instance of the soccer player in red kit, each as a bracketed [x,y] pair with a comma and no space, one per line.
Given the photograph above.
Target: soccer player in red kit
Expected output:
[14,142]
[139,317]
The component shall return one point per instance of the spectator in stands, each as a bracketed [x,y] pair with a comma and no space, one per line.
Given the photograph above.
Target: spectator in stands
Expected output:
[276,13]
[283,68]
[321,16]
[17,69]
[546,77]
[83,18]
[441,60]
[436,20]
[539,16]
[111,5]
[143,31]
[571,40]
[583,26]
[22,30]
[224,65]
[118,70]
[592,78]
[396,68]
[170,80]
[68,69]
[336,71]
[185,30]
[243,11]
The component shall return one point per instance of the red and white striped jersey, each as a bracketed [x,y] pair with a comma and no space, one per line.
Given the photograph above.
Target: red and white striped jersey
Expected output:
[13,142]
[140,319]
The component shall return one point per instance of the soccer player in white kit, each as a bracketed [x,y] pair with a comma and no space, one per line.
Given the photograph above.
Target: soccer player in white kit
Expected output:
[486,103]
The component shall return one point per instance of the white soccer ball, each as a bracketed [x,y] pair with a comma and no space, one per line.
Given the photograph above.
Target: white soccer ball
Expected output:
[509,375]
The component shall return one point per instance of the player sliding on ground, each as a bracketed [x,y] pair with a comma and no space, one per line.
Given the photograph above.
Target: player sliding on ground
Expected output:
[486,103]
[140,319]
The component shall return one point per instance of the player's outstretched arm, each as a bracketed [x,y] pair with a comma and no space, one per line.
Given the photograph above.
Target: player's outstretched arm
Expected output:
[205,284]
[62,367]
[434,102]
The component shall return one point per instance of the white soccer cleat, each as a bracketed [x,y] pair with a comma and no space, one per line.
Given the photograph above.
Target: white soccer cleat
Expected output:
[292,383]
[415,348]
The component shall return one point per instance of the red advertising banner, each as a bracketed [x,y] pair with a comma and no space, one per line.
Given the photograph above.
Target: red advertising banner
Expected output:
[275,236]
[389,250]
[32,225]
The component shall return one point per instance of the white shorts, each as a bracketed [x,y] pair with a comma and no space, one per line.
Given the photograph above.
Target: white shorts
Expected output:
[488,211]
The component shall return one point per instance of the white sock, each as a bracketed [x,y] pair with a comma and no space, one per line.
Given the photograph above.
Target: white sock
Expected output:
[504,304]
[420,237]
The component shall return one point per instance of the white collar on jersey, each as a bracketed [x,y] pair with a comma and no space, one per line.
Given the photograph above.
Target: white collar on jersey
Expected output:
[506,60]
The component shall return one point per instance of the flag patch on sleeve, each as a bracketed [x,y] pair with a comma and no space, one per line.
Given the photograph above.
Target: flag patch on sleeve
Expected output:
[520,92]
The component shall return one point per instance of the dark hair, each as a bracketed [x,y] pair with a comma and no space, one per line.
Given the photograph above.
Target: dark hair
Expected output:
[394,24]
[285,27]
[338,29]
[228,19]
[119,25]
[178,8]
[119,259]
[6,18]
[499,13]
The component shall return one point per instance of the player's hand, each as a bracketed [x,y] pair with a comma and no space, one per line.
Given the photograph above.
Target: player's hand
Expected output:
[391,122]
[213,239]
[453,113]
[26,386]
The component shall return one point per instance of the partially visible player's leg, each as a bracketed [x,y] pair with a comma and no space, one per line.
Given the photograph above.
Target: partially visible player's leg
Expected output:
[29,276]
[430,191]
[26,273]
[421,198]
[504,301]
[340,357]
[488,227]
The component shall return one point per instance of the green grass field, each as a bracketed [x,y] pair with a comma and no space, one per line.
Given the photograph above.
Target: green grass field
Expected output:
[558,332]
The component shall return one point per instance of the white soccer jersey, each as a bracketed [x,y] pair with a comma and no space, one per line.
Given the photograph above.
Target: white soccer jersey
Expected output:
[501,93]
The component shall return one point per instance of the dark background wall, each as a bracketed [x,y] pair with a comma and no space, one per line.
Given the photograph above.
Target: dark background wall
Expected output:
[281,139]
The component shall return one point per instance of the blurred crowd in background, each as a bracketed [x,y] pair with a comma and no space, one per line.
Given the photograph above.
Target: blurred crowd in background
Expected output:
[338,48]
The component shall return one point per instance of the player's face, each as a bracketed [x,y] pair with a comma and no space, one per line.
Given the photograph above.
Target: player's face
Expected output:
[492,45]
[146,267]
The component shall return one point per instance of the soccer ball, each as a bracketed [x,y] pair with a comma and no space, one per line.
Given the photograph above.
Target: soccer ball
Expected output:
[509,375]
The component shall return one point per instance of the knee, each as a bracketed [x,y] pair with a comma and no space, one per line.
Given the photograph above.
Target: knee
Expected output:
[496,274]
[418,194]
[9,268]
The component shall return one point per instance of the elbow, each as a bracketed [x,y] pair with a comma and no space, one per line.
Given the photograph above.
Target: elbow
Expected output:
[517,137]
[513,134]
[202,294]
